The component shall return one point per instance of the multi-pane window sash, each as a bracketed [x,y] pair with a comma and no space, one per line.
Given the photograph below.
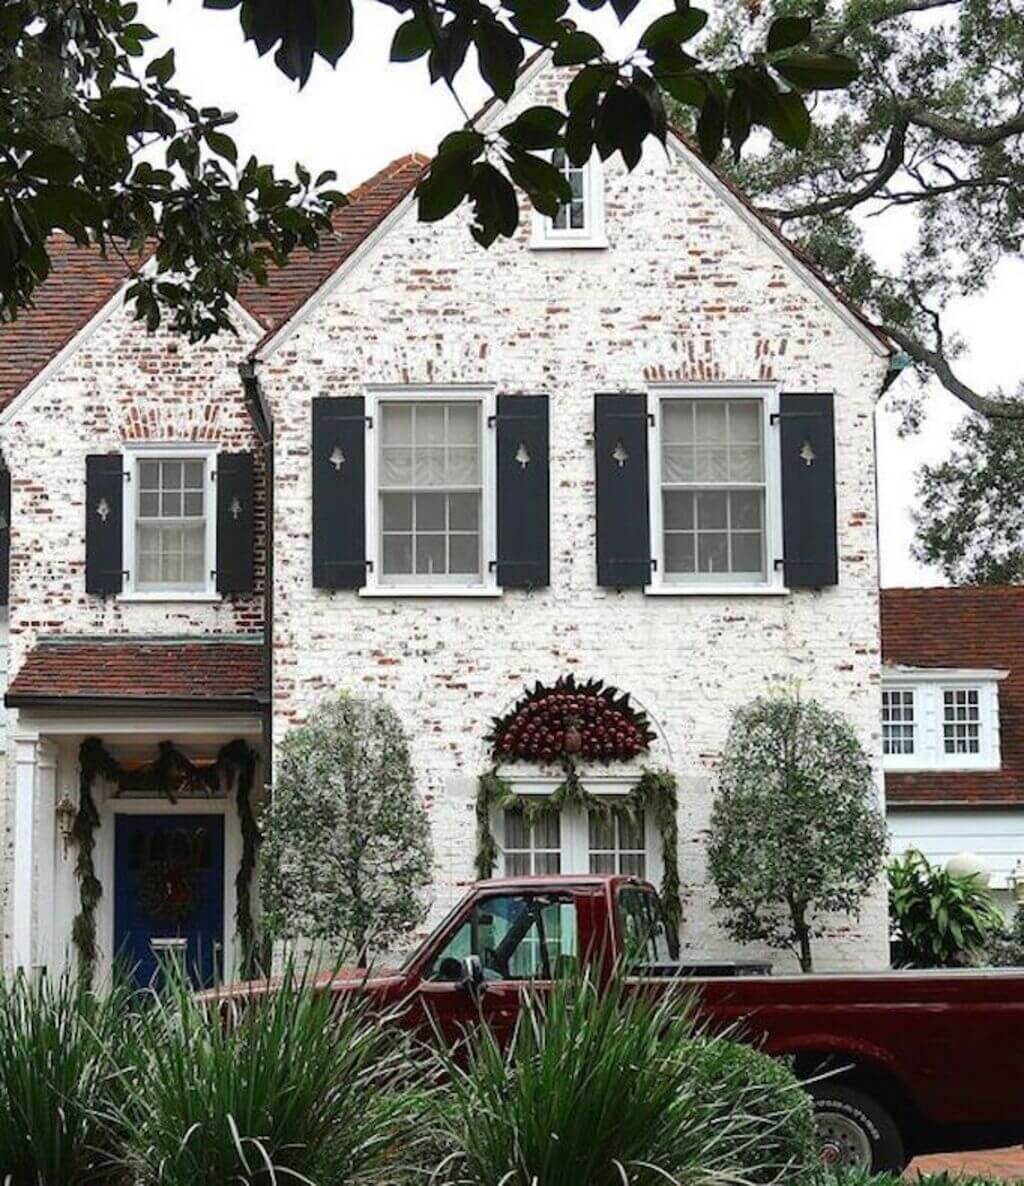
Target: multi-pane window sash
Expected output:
[532,847]
[170,525]
[713,490]
[616,843]
[898,721]
[961,721]
[430,489]
[573,215]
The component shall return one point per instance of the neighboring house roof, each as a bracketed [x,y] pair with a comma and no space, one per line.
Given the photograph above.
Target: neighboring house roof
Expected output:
[980,627]
[82,281]
[198,673]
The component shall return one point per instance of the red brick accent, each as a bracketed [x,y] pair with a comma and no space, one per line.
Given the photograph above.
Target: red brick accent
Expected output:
[963,627]
[141,669]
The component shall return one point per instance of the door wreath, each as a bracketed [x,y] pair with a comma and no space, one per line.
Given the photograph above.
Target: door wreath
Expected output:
[167,892]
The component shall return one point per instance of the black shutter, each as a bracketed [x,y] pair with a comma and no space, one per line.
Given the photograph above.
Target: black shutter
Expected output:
[338,457]
[235,525]
[623,511]
[104,517]
[807,441]
[5,536]
[523,492]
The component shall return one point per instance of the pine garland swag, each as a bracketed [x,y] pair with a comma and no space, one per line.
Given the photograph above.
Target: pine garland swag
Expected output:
[655,791]
[234,759]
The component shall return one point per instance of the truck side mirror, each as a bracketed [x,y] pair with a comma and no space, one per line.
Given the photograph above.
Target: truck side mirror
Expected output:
[471,976]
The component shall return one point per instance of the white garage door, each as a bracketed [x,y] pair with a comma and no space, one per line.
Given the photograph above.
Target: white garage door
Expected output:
[995,836]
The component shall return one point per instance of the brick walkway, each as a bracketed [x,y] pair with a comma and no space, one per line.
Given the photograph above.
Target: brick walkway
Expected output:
[1007,1164]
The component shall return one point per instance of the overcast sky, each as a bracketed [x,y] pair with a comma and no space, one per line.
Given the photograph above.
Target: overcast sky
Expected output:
[361,116]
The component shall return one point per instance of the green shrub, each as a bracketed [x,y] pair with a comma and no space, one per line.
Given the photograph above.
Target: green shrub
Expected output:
[940,919]
[300,1088]
[59,1079]
[1006,949]
[616,1089]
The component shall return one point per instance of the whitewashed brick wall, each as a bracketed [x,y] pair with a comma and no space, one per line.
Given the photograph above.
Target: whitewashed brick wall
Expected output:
[685,292]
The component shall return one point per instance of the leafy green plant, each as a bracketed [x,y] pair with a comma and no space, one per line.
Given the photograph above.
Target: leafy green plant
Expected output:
[796,830]
[616,1088]
[940,919]
[299,1087]
[60,1046]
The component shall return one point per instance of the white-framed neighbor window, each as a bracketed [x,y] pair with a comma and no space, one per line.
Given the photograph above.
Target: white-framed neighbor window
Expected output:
[716,507]
[431,491]
[574,840]
[580,222]
[898,724]
[940,719]
[170,522]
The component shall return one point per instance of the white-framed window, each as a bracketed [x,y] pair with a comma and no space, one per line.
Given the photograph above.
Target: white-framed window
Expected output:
[961,720]
[431,491]
[580,222]
[574,840]
[170,524]
[898,721]
[940,718]
[716,508]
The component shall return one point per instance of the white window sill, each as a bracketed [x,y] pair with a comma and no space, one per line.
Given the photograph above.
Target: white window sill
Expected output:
[567,244]
[431,591]
[984,767]
[668,590]
[171,595]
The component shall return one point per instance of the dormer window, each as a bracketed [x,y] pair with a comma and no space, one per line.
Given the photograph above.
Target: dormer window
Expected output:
[940,719]
[580,222]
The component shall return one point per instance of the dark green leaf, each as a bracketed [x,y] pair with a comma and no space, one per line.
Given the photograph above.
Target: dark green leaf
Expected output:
[576,47]
[500,53]
[161,69]
[465,143]
[536,127]
[711,126]
[587,84]
[222,145]
[333,28]
[444,187]
[817,72]
[790,120]
[547,186]
[52,162]
[411,41]
[623,121]
[622,8]
[675,27]
[494,204]
[788,31]
[688,89]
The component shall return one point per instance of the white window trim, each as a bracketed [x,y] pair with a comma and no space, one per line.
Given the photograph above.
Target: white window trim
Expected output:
[575,834]
[132,454]
[485,396]
[775,584]
[915,713]
[928,685]
[544,236]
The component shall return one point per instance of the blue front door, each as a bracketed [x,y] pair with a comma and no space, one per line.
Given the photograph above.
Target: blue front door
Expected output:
[169,894]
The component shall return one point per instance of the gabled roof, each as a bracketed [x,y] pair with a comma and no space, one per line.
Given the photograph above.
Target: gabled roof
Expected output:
[199,673]
[979,627]
[83,281]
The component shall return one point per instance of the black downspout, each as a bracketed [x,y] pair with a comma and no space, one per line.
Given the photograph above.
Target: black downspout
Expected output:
[264,425]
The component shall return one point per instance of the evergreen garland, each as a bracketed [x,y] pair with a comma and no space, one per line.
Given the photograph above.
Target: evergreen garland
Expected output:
[236,758]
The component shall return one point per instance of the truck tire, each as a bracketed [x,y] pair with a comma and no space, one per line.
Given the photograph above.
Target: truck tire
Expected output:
[854,1130]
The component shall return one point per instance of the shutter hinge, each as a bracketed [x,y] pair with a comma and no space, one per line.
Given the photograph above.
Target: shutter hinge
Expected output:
[367,420]
[777,416]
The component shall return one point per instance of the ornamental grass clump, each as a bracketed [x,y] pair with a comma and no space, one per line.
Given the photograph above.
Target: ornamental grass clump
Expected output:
[62,1048]
[298,1086]
[617,1088]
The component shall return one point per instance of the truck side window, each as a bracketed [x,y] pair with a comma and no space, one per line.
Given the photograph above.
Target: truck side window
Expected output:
[645,934]
[516,936]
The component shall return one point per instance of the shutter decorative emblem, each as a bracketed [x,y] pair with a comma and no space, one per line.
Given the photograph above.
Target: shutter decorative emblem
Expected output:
[235,508]
[103,509]
[807,453]
[337,458]
[522,455]
[619,454]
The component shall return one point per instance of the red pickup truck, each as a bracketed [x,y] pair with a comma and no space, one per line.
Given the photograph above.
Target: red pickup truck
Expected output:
[913,1062]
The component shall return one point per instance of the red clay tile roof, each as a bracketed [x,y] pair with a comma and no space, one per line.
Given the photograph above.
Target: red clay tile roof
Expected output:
[80,283]
[980,627]
[290,287]
[200,672]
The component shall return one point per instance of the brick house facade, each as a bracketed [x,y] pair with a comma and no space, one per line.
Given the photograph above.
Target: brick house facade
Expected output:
[659,310]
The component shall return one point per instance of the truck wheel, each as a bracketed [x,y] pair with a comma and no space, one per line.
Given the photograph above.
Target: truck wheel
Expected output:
[854,1131]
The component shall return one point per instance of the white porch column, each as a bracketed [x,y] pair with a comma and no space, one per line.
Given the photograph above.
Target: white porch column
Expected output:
[46,836]
[24,851]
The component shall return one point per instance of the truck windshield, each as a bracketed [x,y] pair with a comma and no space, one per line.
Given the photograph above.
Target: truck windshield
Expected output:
[646,937]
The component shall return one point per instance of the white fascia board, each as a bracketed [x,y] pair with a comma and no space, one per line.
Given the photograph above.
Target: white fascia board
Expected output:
[941,675]
[788,257]
[383,229]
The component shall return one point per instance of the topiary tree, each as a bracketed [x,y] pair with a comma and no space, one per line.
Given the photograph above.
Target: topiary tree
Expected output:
[346,852]
[796,831]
